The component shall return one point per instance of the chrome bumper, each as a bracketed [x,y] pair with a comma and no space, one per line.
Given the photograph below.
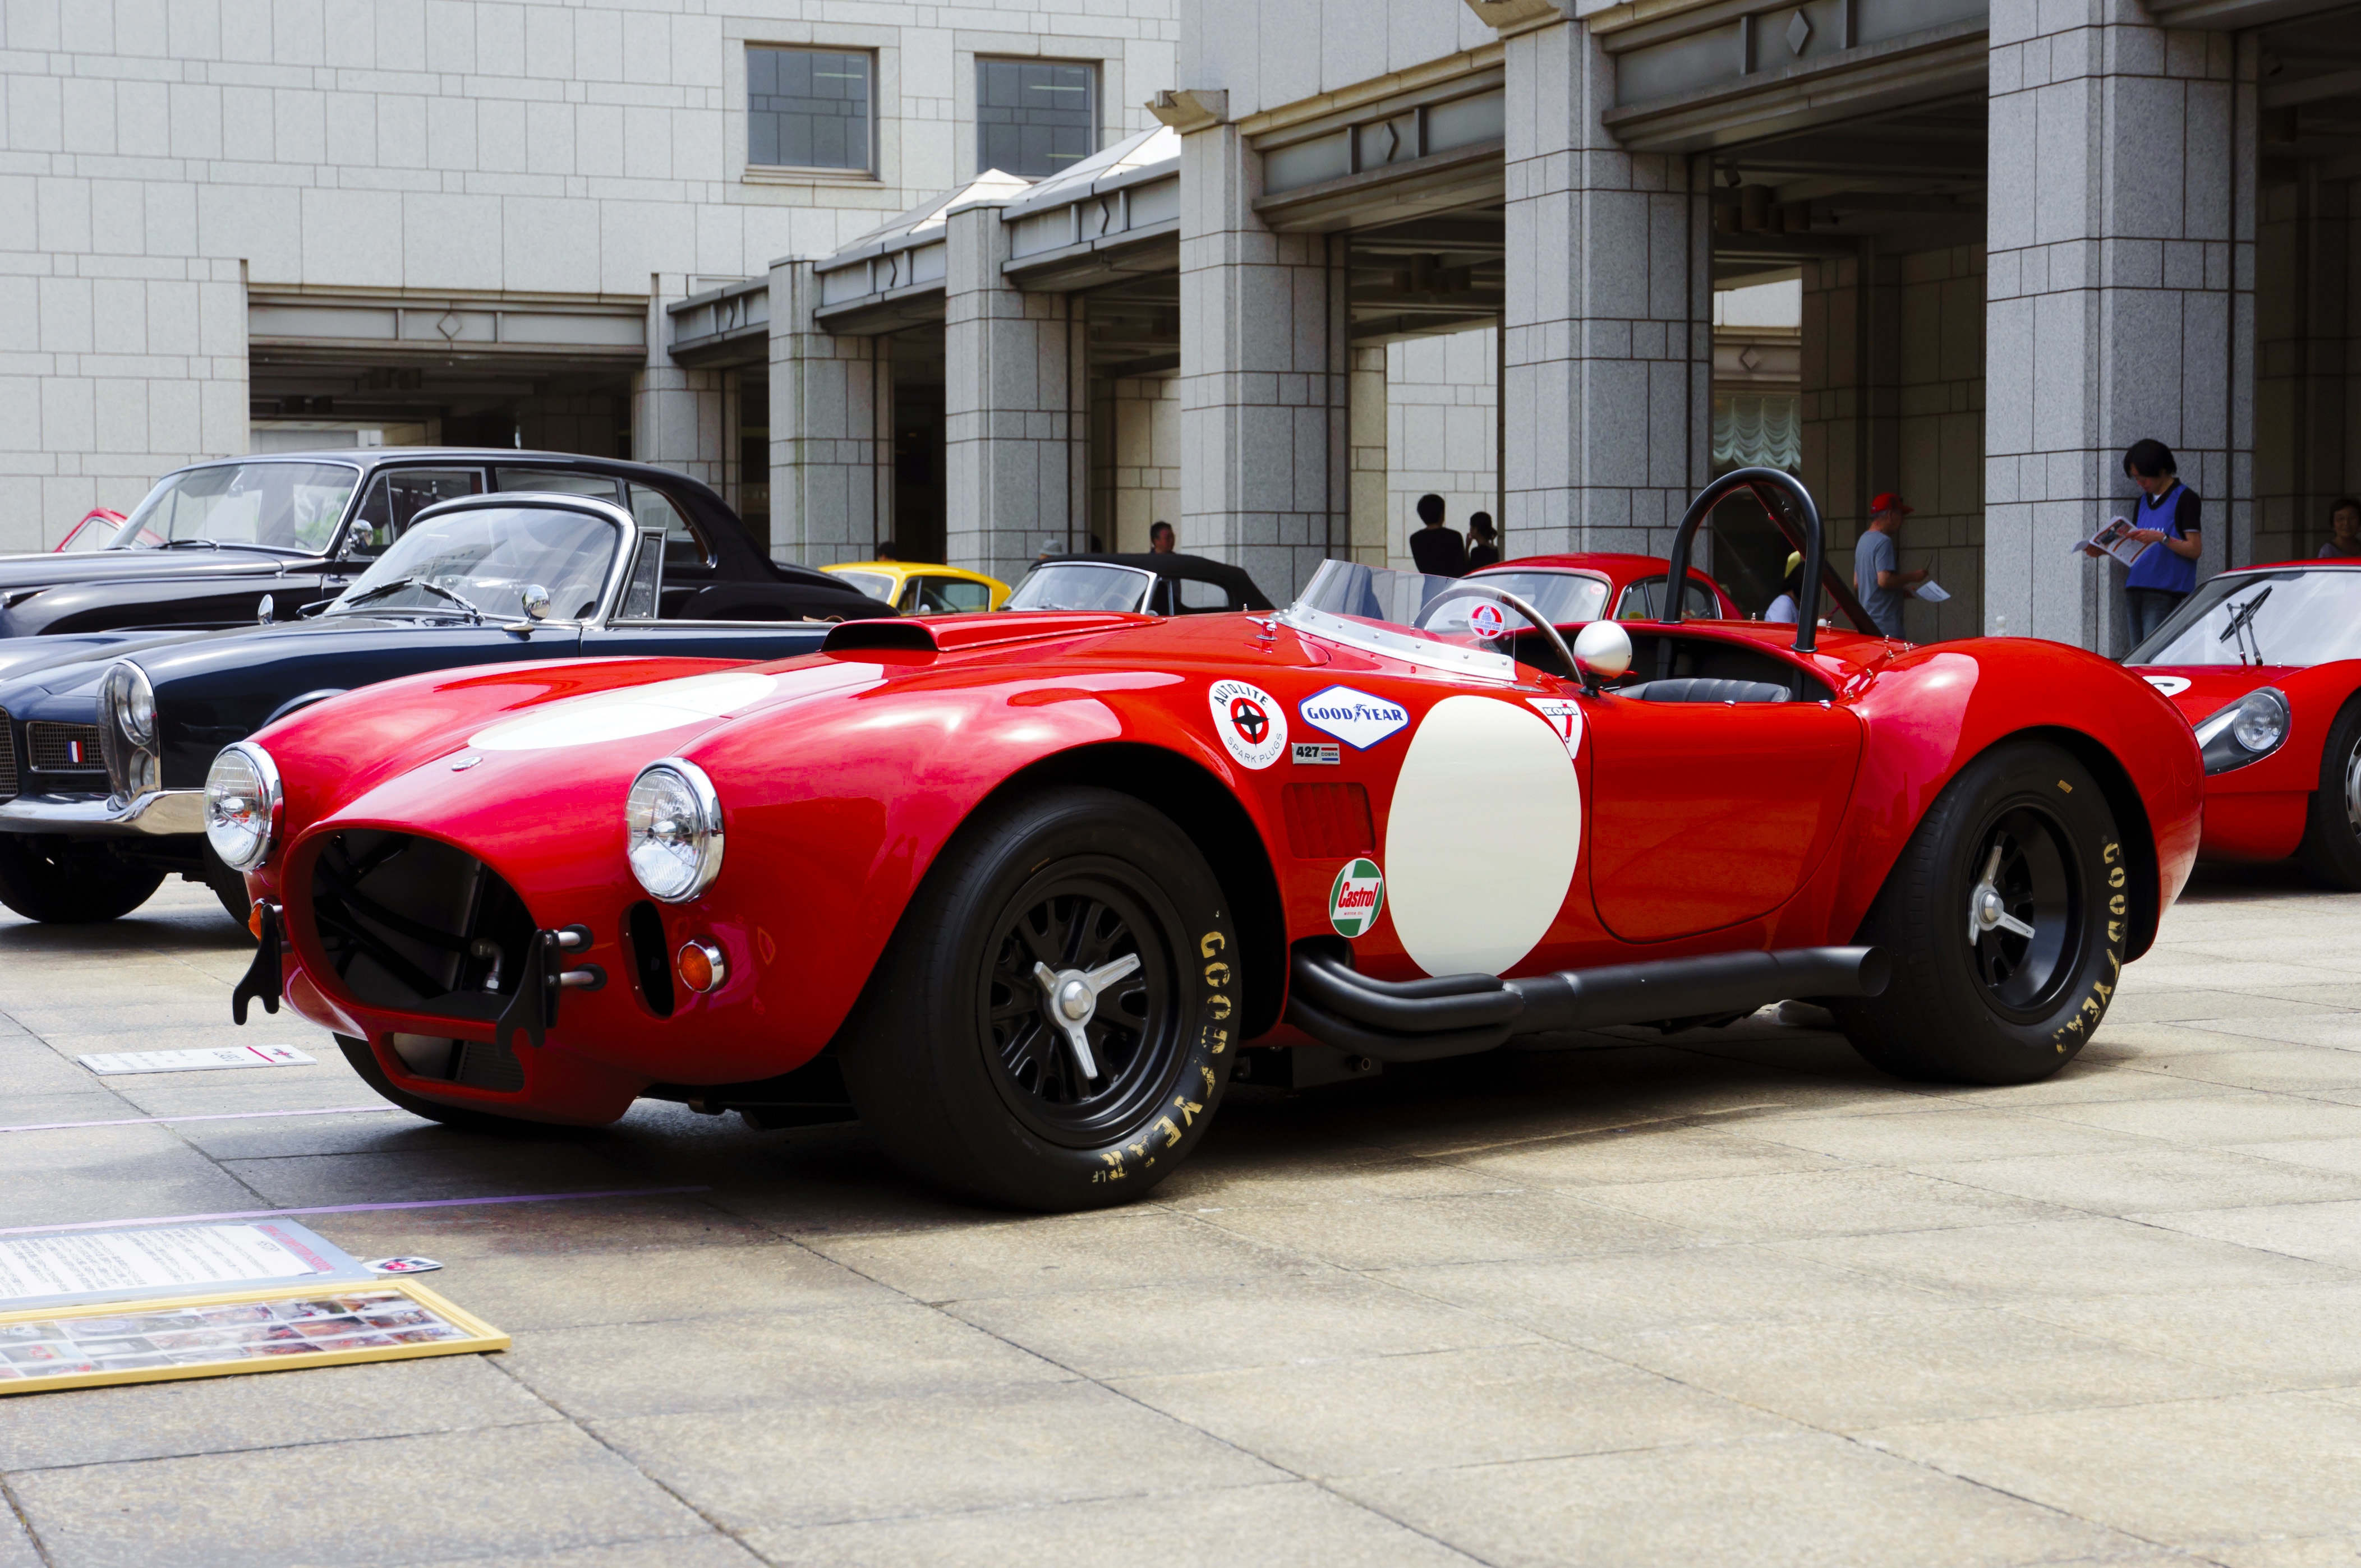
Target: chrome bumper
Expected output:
[164,812]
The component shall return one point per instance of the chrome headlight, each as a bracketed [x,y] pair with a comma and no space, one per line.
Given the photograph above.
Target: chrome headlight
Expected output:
[2248,731]
[241,805]
[673,822]
[129,702]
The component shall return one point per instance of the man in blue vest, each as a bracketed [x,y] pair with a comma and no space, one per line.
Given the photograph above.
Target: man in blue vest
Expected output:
[2165,520]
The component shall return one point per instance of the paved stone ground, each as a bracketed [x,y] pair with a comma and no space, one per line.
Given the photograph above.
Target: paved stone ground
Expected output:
[1737,1299]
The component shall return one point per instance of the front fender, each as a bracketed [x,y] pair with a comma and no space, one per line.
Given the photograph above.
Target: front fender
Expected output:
[1931,711]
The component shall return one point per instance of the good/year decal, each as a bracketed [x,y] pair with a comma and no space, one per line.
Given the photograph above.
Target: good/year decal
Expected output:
[1250,724]
[1354,717]
[2171,686]
[1354,901]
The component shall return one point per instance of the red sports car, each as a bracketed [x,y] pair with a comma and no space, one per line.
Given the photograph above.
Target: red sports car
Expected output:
[2266,662]
[1023,890]
[1595,584]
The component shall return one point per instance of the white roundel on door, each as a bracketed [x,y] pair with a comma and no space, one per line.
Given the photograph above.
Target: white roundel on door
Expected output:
[1481,841]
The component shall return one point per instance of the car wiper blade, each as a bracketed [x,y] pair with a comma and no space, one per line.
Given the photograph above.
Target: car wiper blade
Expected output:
[400,583]
[2243,622]
[186,544]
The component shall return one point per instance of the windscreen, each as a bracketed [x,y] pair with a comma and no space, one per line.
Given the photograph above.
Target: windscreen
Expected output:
[487,556]
[1080,584]
[2267,617]
[877,585]
[1463,613]
[1563,597]
[276,506]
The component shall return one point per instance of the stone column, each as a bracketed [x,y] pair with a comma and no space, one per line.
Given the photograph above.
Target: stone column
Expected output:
[831,431]
[1265,382]
[2120,297]
[1607,394]
[677,413]
[1015,432]
[1372,455]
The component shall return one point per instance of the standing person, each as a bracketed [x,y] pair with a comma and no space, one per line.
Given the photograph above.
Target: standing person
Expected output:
[1160,538]
[888,551]
[1439,552]
[1877,574]
[1788,607]
[2344,530]
[2166,518]
[1483,542]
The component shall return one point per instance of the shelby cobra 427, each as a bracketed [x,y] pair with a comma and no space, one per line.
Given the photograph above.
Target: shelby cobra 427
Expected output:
[1023,886]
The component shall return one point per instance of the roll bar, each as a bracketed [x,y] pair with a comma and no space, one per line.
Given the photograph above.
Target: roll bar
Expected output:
[1791,510]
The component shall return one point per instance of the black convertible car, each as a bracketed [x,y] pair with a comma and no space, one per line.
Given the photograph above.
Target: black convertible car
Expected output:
[110,735]
[221,543]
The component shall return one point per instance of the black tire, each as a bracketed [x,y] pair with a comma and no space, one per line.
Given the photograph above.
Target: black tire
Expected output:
[952,1058]
[460,1117]
[2003,1008]
[2331,849]
[228,886]
[67,882]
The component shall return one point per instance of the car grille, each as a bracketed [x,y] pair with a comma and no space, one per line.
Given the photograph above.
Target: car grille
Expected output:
[7,759]
[471,1062]
[63,748]
[414,923]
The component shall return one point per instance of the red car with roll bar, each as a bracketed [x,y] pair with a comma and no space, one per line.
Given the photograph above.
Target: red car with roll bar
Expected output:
[1586,584]
[1021,891]
[2265,663]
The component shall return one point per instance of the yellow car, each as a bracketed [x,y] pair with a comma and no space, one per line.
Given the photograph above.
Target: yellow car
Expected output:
[916,589]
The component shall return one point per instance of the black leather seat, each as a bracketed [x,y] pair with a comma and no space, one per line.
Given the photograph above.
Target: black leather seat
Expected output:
[1701,688]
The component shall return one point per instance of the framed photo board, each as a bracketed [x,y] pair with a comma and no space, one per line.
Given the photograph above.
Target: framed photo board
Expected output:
[272,1330]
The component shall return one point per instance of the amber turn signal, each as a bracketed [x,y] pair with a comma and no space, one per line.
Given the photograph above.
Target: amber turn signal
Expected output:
[254,921]
[701,964]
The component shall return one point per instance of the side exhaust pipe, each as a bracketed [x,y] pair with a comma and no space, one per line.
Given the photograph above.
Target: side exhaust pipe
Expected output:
[1423,1020]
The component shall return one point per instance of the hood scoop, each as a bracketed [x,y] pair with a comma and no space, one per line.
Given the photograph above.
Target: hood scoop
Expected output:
[952,634]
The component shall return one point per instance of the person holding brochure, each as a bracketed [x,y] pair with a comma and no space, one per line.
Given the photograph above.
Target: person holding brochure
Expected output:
[1877,574]
[2167,514]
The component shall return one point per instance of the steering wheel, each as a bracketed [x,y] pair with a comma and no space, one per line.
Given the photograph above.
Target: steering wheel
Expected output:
[1539,622]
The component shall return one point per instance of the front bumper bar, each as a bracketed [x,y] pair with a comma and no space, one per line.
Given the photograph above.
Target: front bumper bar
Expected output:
[164,813]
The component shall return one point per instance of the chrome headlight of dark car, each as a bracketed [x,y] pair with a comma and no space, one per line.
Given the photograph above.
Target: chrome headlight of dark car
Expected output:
[2248,731]
[673,822]
[127,731]
[241,805]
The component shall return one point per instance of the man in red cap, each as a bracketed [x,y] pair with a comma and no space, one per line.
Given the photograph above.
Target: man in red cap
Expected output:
[1877,574]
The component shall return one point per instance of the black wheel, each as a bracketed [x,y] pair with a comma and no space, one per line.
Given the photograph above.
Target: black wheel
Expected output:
[364,1061]
[2006,916]
[228,886]
[69,883]
[1051,1027]
[2331,850]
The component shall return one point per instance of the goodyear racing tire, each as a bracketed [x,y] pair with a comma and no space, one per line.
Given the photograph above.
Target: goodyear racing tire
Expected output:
[961,1060]
[2331,849]
[2006,916]
[66,883]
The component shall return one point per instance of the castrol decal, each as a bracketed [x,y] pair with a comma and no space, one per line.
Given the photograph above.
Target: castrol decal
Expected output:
[1252,727]
[1359,894]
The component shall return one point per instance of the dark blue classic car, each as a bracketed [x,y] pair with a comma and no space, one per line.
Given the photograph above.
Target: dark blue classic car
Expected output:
[212,540]
[110,735]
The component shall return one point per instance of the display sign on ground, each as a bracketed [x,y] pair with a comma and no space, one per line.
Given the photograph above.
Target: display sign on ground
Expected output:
[164,1260]
[216,1335]
[205,1060]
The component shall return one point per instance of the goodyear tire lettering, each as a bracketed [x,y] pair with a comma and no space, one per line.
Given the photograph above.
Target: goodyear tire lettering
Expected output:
[1188,1109]
[1211,943]
[1218,975]
[1171,1134]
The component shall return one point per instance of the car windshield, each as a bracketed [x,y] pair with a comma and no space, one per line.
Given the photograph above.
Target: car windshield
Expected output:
[2262,618]
[1561,596]
[1080,584]
[1456,613]
[95,532]
[275,506]
[487,556]
[877,585]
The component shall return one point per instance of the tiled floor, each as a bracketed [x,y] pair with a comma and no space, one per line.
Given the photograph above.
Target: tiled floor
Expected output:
[1734,1298]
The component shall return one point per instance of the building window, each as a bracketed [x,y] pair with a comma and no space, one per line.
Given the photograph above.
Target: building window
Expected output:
[1033,117]
[809,108]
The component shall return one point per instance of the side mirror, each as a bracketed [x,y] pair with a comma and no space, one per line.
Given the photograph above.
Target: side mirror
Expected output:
[265,612]
[535,601]
[1602,650]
